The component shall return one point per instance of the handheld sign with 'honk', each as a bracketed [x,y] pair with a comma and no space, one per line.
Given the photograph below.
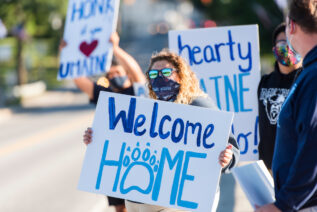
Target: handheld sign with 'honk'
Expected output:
[88,27]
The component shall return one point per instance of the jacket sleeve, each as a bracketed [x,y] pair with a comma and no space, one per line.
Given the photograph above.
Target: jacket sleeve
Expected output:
[301,182]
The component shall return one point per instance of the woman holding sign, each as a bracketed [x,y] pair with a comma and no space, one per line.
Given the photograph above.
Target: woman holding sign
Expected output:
[171,79]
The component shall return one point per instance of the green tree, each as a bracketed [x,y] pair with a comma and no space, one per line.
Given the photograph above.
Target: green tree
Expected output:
[31,18]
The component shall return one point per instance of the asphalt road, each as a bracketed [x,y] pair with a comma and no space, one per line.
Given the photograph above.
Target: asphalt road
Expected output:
[41,153]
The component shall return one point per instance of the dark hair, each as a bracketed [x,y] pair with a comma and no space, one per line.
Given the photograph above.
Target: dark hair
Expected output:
[304,13]
[114,62]
[280,28]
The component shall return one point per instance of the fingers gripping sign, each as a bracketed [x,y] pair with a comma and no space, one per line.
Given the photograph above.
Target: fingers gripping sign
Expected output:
[88,136]
[226,156]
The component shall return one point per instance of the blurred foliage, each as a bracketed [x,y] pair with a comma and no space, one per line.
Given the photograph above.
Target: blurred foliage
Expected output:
[30,21]
[34,31]
[265,13]
[37,16]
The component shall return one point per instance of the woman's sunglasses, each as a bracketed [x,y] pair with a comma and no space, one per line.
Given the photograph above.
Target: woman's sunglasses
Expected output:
[166,72]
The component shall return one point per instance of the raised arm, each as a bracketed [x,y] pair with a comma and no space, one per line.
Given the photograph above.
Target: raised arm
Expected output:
[131,66]
[85,85]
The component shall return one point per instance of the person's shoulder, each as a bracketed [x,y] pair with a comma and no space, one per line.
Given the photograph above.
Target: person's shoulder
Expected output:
[266,80]
[128,91]
[100,87]
[308,86]
[204,101]
[267,77]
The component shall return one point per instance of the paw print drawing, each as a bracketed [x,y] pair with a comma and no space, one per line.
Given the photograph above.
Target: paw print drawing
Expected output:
[139,161]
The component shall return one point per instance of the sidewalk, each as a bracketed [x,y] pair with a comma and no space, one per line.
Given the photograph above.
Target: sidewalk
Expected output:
[48,99]
[5,114]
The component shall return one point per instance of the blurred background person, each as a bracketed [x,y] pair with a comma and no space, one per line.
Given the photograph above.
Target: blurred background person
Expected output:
[123,73]
[273,90]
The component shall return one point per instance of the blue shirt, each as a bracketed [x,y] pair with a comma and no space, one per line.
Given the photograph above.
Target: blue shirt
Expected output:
[295,156]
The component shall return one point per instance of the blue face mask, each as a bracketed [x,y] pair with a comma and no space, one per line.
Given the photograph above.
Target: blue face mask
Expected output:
[118,82]
[165,89]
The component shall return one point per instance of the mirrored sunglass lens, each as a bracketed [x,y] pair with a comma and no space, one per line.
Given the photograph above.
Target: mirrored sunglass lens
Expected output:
[153,74]
[167,72]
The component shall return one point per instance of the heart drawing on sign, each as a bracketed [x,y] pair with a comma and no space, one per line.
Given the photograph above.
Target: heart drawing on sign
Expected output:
[86,48]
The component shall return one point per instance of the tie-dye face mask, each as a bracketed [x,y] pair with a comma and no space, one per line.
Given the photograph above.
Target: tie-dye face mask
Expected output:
[284,55]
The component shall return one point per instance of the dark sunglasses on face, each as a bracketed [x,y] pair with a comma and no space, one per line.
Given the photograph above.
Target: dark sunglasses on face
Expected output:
[166,72]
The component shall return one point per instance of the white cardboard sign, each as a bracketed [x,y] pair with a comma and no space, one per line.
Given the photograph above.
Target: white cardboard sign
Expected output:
[256,182]
[227,62]
[155,152]
[89,25]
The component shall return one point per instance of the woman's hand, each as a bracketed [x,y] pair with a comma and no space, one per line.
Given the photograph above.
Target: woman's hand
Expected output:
[115,39]
[62,45]
[88,136]
[225,156]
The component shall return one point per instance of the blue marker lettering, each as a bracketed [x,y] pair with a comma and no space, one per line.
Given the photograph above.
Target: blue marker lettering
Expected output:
[217,47]
[207,133]
[196,49]
[193,126]
[177,138]
[153,134]
[162,134]
[247,57]
[212,56]
[217,90]
[104,162]
[233,93]
[241,91]
[230,44]
[139,123]
[181,48]
[127,121]
[176,161]
[185,176]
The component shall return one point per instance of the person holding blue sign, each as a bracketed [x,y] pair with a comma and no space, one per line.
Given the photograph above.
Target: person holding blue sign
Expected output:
[273,90]
[294,161]
[171,79]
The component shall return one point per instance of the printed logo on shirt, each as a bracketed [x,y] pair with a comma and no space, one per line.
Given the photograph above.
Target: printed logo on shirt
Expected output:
[273,99]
